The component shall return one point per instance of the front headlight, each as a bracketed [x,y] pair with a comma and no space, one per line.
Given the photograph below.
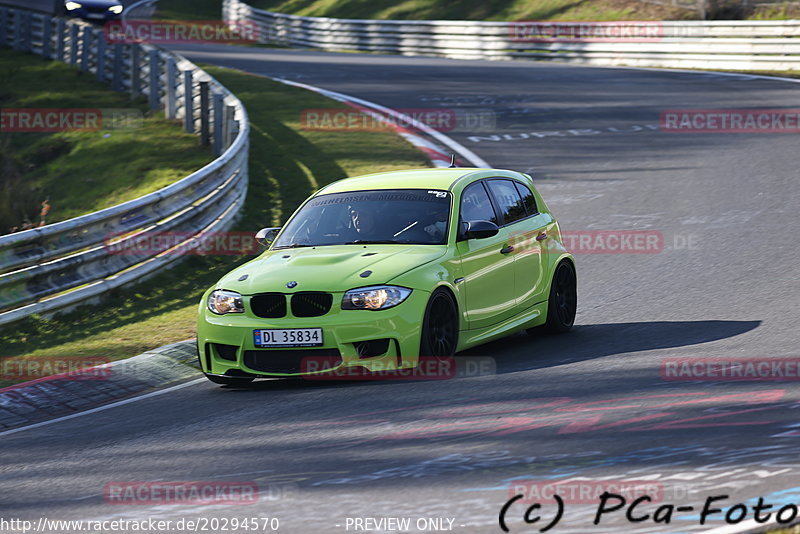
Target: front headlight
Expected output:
[116,9]
[374,298]
[222,301]
[71,6]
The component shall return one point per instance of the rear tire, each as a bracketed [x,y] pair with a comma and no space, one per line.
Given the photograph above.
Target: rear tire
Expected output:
[234,381]
[562,304]
[440,326]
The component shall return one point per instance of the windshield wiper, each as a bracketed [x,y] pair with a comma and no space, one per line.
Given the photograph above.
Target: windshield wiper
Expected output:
[293,245]
[375,242]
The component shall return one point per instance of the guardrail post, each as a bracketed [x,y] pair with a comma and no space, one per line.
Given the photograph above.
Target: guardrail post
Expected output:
[234,128]
[228,135]
[116,81]
[136,71]
[3,26]
[155,80]
[73,44]
[101,59]
[27,27]
[60,37]
[205,134]
[18,29]
[171,97]
[218,121]
[188,101]
[47,35]
[86,41]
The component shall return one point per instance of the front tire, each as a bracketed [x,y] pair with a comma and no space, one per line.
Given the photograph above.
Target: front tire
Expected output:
[440,325]
[562,304]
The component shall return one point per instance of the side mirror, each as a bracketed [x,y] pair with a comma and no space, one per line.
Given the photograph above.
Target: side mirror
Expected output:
[266,236]
[480,229]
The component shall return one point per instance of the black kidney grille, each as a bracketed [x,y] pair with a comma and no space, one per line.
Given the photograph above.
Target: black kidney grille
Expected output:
[311,304]
[268,305]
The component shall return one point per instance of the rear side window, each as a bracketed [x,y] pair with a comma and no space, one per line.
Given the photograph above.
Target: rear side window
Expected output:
[508,200]
[527,198]
[475,204]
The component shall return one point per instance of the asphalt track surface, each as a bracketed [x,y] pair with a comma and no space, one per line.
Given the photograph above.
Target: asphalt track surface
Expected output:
[589,404]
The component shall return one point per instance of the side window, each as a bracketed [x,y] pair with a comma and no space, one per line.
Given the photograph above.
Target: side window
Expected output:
[508,200]
[527,198]
[475,204]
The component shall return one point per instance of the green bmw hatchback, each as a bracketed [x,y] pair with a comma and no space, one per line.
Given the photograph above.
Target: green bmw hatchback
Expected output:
[375,271]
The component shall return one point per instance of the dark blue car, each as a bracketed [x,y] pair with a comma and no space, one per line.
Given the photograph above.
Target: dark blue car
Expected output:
[94,10]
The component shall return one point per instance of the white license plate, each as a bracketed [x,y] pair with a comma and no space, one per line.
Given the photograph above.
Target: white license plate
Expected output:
[95,16]
[288,337]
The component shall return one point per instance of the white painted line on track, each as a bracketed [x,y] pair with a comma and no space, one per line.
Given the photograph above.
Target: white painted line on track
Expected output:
[105,407]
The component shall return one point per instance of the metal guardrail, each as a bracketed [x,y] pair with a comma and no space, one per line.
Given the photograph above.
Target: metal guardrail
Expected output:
[730,45]
[62,264]
[49,7]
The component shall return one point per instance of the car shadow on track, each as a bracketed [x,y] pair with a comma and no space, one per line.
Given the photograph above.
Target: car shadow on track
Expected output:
[522,352]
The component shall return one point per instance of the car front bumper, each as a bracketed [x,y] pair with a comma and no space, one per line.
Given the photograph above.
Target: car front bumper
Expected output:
[342,331]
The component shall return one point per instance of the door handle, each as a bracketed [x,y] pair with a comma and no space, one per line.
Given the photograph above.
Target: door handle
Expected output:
[507,250]
[542,236]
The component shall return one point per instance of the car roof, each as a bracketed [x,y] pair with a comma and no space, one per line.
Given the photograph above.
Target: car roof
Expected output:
[409,179]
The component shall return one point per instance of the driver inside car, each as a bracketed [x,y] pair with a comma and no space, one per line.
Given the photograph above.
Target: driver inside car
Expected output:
[363,222]
[436,223]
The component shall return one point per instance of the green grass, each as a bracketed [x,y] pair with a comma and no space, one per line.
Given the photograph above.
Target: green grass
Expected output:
[82,172]
[564,10]
[776,12]
[570,10]
[439,9]
[287,163]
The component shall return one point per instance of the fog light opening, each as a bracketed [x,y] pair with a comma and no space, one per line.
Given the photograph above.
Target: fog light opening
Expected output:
[225,352]
[372,348]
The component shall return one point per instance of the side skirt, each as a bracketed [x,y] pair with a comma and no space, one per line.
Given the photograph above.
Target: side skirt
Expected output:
[534,316]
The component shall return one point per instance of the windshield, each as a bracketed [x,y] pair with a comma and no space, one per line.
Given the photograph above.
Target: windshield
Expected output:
[413,216]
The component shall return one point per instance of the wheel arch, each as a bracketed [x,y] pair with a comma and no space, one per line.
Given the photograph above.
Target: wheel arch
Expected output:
[446,286]
[554,266]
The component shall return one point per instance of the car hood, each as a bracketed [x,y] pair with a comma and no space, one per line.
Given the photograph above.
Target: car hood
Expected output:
[328,268]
